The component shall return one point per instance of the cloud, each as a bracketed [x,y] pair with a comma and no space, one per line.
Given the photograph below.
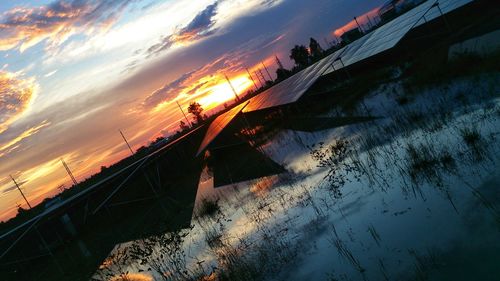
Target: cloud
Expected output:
[13,143]
[169,91]
[15,97]
[25,27]
[13,187]
[201,26]
[202,80]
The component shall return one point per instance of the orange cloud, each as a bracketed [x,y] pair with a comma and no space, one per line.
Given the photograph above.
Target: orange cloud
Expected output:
[14,143]
[25,27]
[368,18]
[15,97]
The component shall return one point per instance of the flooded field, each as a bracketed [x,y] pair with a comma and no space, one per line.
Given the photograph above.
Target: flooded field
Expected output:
[411,195]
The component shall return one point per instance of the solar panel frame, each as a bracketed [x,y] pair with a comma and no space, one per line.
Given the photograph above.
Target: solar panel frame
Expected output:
[373,43]
[291,89]
[390,34]
[218,125]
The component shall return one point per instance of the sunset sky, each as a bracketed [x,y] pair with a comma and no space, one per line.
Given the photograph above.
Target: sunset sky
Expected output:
[74,72]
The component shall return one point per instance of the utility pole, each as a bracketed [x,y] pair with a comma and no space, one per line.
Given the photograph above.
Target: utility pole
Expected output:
[268,74]
[44,242]
[69,172]
[260,81]
[359,26]
[232,88]
[370,21]
[190,125]
[250,75]
[123,136]
[19,188]
[262,75]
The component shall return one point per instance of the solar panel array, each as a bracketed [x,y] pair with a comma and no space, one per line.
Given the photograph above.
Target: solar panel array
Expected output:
[373,43]
[388,35]
[291,89]
[218,125]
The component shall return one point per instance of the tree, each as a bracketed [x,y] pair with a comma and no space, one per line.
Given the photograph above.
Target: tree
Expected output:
[315,49]
[300,55]
[282,74]
[196,109]
[183,126]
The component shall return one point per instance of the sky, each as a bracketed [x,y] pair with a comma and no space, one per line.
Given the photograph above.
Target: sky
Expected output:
[74,72]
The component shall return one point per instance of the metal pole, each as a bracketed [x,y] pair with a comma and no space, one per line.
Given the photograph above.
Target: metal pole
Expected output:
[19,188]
[262,74]
[268,74]
[260,82]
[37,231]
[190,125]
[69,172]
[232,88]
[359,26]
[250,75]
[369,21]
[123,136]
[442,15]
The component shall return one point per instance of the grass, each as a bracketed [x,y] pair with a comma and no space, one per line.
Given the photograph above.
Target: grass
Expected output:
[208,208]
[471,136]
[426,163]
[334,158]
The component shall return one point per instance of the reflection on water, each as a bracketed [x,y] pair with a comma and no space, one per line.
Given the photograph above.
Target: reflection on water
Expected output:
[411,196]
[133,277]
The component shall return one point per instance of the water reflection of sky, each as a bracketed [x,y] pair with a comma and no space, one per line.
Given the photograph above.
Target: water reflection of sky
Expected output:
[391,226]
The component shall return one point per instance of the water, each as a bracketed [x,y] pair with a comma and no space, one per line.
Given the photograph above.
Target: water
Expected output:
[378,213]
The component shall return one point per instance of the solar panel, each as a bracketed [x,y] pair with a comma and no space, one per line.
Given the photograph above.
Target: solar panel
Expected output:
[291,89]
[446,7]
[388,35]
[218,125]
[373,43]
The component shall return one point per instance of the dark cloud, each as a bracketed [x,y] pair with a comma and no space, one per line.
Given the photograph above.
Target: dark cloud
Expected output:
[13,187]
[201,26]
[197,87]
[25,27]
[168,91]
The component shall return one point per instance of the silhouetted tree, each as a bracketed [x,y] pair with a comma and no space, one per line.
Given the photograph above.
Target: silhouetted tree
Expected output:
[183,126]
[142,150]
[282,74]
[196,109]
[300,55]
[315,49]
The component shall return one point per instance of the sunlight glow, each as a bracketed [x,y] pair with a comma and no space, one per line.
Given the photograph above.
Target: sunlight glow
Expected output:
[222,92]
